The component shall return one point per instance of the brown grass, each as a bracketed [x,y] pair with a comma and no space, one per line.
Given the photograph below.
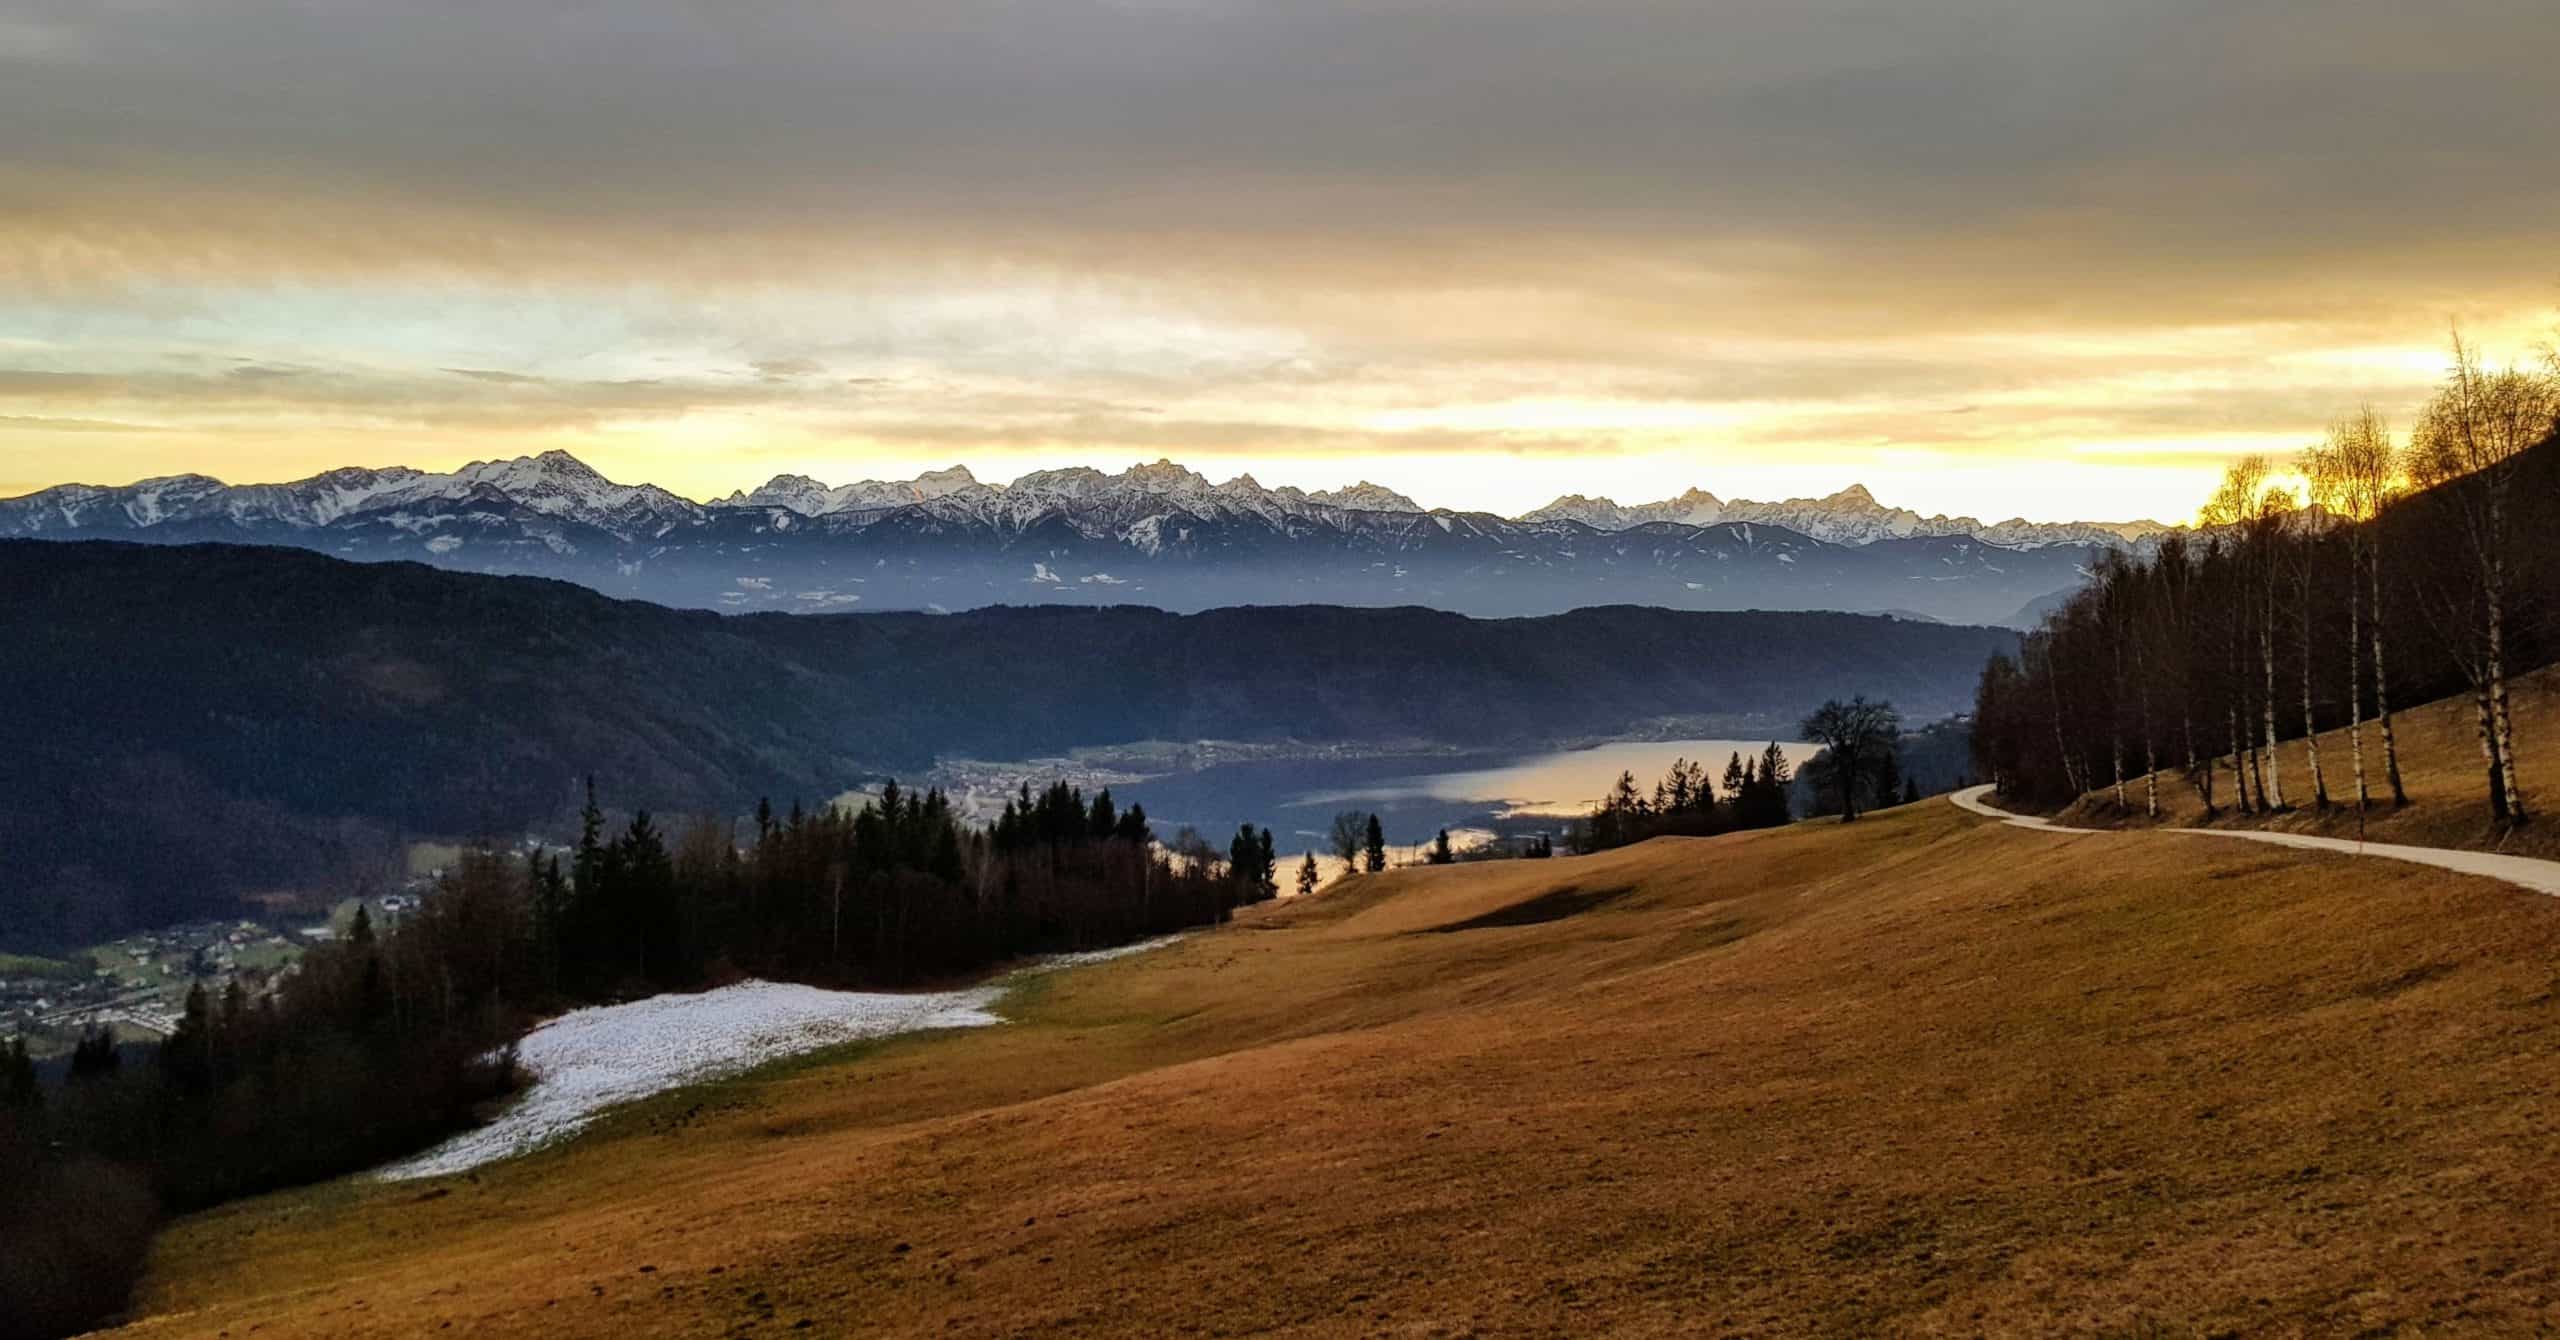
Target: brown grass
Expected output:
[2440,764]
[1922,1075]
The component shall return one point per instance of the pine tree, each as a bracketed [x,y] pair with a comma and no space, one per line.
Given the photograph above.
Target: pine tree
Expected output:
[1377,846]
[1440,852]
[1888,776]
[95,1055]
[187,1053]
[18,1088]
[1307,875]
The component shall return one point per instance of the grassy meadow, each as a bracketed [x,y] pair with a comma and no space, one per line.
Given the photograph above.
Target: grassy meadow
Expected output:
[1923,1074]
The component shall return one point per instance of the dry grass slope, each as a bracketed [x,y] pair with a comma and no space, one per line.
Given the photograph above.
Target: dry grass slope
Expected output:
[1921,1075]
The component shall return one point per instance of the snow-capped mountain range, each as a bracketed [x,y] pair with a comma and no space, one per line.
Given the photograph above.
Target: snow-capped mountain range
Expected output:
[1851,516]
[1153,534]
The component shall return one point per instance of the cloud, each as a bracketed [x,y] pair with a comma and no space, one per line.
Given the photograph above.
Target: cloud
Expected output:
[1537,228]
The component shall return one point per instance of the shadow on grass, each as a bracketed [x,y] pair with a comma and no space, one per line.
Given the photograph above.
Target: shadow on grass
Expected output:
[1546,907]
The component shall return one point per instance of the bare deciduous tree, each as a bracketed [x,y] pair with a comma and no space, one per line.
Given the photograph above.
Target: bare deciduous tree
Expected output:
[2474,430]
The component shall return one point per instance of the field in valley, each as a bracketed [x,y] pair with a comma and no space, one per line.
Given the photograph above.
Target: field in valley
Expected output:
[1924,1074]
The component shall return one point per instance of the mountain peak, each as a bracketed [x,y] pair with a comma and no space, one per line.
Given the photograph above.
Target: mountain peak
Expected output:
[1366,497]
[562,465]
[1162,476]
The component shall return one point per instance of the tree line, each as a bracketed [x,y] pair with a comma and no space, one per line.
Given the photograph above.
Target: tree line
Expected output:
[385,1040]
[1686,802]
[2380,570]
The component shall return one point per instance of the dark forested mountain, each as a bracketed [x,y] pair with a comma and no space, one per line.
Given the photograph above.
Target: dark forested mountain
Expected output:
[1155,535]
[191,723]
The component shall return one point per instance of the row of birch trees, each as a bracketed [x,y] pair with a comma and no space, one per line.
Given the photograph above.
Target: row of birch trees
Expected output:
[2374,571]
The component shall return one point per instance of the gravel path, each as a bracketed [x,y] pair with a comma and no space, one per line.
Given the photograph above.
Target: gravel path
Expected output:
[2523,871]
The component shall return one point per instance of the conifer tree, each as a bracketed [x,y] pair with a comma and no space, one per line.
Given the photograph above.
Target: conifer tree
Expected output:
[18,1088]
[1307,875]
[1440,852]
[1377,846]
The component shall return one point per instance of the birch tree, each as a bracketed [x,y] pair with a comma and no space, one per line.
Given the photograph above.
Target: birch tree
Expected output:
[2474,430]
[2362,476]
[2238,508]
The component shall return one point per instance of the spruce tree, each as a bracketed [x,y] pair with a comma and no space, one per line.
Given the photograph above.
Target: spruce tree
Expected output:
[1377,846]
[1888,776]
[1440,852]
[18,1088]
[1307,875]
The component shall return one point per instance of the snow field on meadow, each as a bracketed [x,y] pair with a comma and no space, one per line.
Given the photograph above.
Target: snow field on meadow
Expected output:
[590,1060]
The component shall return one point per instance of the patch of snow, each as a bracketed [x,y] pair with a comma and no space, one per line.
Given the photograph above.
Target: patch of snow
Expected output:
[444,544]
[591,1060]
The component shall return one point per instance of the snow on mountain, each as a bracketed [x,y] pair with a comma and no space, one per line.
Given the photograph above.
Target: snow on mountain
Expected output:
[1697,507]
[1851,516]
[558,488]
[1365,497]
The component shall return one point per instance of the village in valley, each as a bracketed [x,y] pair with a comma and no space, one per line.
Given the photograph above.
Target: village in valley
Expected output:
[136,986]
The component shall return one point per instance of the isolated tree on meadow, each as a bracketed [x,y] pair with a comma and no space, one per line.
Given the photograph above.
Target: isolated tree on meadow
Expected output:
[1374,843]
[1857,733]
[1307,876]
[1350,832]
[1440,852]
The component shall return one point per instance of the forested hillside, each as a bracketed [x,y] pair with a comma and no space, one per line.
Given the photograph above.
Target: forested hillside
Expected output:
[190,724]
[2400,570]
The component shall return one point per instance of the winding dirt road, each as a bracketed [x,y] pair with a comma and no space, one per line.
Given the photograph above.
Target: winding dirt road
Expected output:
[2522,871]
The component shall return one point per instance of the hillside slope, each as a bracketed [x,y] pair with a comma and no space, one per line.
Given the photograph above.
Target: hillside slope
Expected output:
[1923,1075]
[260,718]
[2440,767]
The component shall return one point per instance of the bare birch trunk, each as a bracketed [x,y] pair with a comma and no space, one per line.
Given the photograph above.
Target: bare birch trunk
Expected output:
[2150,768]
[2239,762]
[2355,680]
[2202,777]
[2487,729]
[2310,719]
[2500,721]
[2273,766]
[2382,690]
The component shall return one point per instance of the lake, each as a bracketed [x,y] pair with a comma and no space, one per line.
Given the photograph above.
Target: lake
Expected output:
[1567,782]
[1413,796]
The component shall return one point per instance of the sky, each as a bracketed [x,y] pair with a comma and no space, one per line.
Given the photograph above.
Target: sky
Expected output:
[2059,259]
